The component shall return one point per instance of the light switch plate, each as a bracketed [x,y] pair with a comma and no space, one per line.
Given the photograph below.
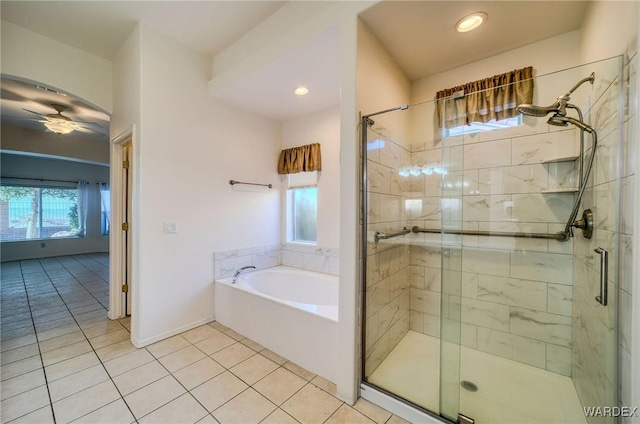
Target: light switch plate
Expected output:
[170,228]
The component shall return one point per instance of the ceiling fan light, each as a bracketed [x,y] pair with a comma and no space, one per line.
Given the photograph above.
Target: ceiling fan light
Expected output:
[59,126]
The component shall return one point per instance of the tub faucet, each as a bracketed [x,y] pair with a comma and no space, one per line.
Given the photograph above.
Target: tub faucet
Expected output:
[235,275]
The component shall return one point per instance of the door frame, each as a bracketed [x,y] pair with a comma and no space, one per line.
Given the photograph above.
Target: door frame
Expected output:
[117,240]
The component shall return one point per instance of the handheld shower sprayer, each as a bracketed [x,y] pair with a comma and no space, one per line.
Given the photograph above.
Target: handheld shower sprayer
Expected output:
[560,118]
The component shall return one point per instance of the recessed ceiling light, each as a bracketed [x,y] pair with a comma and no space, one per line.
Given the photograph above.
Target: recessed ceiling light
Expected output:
[471,21]
[301,91]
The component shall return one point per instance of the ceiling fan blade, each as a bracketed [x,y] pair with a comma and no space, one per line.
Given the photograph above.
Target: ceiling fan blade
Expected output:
[88,123]
[21,118]
[89,131]
[35,113]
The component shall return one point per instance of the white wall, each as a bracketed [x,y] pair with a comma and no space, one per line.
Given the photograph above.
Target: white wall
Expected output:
[50,169]
[189,146]
[29,55]
[280,32]
[545,56]
[321,127]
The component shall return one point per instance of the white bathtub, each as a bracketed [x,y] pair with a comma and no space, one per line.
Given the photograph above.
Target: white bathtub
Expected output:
[290,311]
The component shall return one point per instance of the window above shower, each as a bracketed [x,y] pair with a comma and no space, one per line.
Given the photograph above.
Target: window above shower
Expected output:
[476,127]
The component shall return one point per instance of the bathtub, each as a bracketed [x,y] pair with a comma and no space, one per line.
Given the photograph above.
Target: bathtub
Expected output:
[290,311]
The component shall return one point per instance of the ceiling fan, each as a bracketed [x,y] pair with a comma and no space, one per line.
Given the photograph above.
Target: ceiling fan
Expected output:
[61,124]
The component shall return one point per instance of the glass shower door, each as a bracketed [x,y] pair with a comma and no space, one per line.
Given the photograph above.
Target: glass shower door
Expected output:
[524,339]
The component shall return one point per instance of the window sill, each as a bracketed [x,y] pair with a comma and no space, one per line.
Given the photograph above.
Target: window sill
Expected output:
[42,239]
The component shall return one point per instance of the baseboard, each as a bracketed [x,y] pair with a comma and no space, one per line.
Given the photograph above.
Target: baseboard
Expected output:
[150,340]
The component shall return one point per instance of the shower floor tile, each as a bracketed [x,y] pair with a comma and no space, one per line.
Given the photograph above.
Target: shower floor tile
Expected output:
[508,391]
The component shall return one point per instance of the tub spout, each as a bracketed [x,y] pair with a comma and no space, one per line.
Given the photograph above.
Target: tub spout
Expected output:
[235,275]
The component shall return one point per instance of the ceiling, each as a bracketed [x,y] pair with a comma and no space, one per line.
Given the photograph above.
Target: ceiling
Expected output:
[101,27]
[420,35]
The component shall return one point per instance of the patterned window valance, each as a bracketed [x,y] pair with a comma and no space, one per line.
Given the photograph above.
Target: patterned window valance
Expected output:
[484,100]
[300,159]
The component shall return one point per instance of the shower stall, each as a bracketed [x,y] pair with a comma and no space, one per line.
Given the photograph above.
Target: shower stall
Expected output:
[489,255]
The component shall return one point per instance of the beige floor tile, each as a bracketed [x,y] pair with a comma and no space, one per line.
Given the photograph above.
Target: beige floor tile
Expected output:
[17,368]
[218,326]
[372,411]
[43,415]
[218,390]
[200,333]
[113,351]
[232,355]
[273,356]
[198,372]
[110,338]
[16,343]
[115,412]
[280,385]
[347,415]
[84,402]
[325,385]
[153,396]
[71,366]
[102,329]
[22,383]
[182,358]
[184,410]
[140,377]
[215,343]
[254,369]
[234,335]
[62,341]
[208,420]
[77,382]
[127,362]
[56,323]
[7,335]
[253,345]
[279,417]
[167,346]
[23,404]
[307,375]
[20,353]
[247,408]
[396,420]
[57,332]
[64,353]
[311,405]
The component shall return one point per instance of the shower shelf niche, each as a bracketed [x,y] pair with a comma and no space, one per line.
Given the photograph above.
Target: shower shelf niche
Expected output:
[562,159]
[569,190]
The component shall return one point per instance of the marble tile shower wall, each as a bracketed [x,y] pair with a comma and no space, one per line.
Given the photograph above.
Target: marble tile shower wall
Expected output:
[629,170]
[594,336]
[513,296]
[310,258]
[387,305]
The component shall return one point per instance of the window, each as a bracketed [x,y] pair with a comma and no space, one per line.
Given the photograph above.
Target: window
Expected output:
[105,209]
[304,203]
[30,212]
[302,207]
[475,127]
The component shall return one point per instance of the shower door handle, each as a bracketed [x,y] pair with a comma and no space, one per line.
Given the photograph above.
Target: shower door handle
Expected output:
[604,271]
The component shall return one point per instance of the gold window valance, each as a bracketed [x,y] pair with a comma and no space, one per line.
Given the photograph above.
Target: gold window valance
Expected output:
[484,100]
[300,159]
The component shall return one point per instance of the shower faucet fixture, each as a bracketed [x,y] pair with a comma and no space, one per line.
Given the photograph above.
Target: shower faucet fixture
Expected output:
[560,119]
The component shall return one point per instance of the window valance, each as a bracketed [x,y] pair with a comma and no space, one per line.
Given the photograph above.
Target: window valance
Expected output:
[300,159]
[493,98]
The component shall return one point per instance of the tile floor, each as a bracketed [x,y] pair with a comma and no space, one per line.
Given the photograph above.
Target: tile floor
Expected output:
[64,361]
[509,392]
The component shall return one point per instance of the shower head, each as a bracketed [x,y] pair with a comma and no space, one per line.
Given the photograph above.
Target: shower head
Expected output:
[562,121]
[538,111]
[558,107]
